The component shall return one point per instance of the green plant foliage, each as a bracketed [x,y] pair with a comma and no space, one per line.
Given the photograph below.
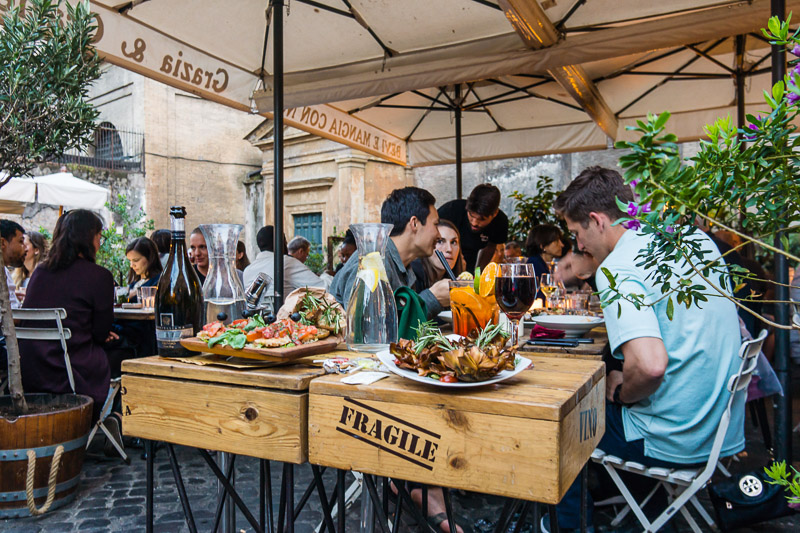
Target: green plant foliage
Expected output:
[789,480]
[316,262]
[116,237]
[45,233]
[746,181]
[47,64]
[530,211]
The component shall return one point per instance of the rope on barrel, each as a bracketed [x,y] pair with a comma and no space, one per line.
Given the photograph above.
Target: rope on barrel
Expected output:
[51,482]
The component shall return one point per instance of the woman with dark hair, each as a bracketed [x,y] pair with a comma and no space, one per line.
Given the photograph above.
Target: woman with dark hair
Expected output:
[69,278]
[429,270]
[145,271]
[242,261]
[35,253]
[544,244]
[136,338]
[162,239]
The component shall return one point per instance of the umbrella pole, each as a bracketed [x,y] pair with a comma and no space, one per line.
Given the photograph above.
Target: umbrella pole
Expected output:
[60,211]
[459,193]
[277,67]
[783,404]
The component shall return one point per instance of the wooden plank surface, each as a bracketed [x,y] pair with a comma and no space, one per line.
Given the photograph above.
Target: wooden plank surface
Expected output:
[289,378]
[546,392]
[265,354]
[456,447]
[263,423]
[147,313]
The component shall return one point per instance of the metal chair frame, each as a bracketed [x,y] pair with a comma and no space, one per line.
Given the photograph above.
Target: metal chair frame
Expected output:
[683,485]
[60,333]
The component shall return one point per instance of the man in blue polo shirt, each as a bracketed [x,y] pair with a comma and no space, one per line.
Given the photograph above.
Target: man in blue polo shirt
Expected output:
[664,407]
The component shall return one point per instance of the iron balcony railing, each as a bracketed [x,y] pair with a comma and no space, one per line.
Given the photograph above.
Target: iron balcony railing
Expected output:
[112,149]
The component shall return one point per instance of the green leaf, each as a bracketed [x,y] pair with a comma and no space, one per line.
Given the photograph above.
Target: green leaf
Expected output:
[670,308]
[777,91]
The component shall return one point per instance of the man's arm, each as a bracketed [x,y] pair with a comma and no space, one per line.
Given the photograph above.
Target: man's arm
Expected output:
[645,365]
[485,255]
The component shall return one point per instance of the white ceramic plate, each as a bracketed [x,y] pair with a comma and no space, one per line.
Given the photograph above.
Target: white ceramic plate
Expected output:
[388,359]
[572,325]
[446,316]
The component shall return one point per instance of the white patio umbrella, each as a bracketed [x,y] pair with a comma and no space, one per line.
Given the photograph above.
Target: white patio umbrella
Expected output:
[59,189]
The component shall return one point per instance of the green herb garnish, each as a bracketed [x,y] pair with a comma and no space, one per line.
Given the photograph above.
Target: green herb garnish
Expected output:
[488,334]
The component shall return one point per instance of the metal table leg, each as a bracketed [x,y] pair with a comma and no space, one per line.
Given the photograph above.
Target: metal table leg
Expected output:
[149,451]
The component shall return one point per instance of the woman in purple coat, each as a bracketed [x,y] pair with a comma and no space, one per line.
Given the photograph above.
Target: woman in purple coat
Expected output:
[69,278]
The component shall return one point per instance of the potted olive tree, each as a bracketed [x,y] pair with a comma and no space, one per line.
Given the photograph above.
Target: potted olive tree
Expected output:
[47,63]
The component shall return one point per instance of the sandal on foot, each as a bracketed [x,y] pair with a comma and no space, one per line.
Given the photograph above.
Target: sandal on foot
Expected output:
[436,520]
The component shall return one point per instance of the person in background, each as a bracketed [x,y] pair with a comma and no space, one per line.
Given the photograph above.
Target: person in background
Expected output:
[346,249]
[162,239]
[414,234]
[35,252]
[299,248]
[145,265]
[198,252]
[429,270]
[242,261]
[295,273]
[577,269]
[69,278]
[513,252]
[12,242]
[480,222]
[544,244]
[136,338]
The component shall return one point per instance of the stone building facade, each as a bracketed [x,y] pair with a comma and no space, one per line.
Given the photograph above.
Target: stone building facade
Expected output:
[192,151]
[326,185]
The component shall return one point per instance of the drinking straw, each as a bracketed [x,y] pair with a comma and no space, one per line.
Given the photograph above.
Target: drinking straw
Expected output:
[446,266]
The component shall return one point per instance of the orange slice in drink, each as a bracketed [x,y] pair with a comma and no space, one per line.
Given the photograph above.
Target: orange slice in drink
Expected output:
[487,279]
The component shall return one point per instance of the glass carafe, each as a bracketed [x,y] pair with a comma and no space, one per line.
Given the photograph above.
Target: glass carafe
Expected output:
[371,312]
[222,290]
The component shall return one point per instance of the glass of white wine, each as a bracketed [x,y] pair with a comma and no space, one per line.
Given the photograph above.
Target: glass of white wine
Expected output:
[548,285]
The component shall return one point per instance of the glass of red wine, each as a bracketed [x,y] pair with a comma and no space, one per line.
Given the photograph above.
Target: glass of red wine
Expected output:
[515,289]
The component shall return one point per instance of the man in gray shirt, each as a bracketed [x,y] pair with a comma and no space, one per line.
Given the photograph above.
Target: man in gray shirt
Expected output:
[411,210]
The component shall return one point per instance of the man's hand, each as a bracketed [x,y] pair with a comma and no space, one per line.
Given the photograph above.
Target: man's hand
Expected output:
[613,379]
[441,290]
[112,336]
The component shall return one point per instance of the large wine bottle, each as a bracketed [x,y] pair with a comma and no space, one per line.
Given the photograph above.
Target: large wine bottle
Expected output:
[179,300]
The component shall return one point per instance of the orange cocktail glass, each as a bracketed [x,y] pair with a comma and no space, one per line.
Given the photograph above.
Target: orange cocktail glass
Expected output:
[471,310]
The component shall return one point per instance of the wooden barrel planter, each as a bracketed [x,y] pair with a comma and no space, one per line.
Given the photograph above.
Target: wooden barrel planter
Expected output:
[55,422]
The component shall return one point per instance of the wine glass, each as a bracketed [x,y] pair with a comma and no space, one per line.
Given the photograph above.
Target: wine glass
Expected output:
[515,290]
[548,285]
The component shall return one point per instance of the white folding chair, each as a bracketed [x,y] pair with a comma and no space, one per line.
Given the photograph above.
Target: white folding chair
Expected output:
[682,485]
[60,333]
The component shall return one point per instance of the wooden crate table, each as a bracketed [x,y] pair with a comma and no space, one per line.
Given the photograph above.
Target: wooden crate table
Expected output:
[261,413]
[593,351]
[526,438]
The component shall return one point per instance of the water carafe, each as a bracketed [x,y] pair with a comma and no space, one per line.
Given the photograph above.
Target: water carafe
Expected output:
[371,311]
[222,290]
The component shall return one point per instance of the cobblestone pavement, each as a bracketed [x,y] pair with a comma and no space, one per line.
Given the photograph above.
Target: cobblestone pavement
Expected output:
[111,497]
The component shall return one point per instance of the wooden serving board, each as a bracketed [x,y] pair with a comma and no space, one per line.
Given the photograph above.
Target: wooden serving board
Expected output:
[265,354]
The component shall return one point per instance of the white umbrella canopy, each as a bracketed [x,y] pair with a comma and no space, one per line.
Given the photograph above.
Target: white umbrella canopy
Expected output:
[341,50]
[511,116]
[60,189]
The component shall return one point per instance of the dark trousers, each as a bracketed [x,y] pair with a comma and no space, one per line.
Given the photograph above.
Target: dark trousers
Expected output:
[613,443]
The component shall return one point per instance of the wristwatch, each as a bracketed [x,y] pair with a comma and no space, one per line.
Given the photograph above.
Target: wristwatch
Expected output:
[616,397]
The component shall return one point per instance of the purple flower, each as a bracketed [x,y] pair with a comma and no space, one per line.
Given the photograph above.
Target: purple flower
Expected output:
[670,229]
[632,209]
[646,208]
[632,224]
[634,183]
[793,97]
[796,69]
[796,50]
